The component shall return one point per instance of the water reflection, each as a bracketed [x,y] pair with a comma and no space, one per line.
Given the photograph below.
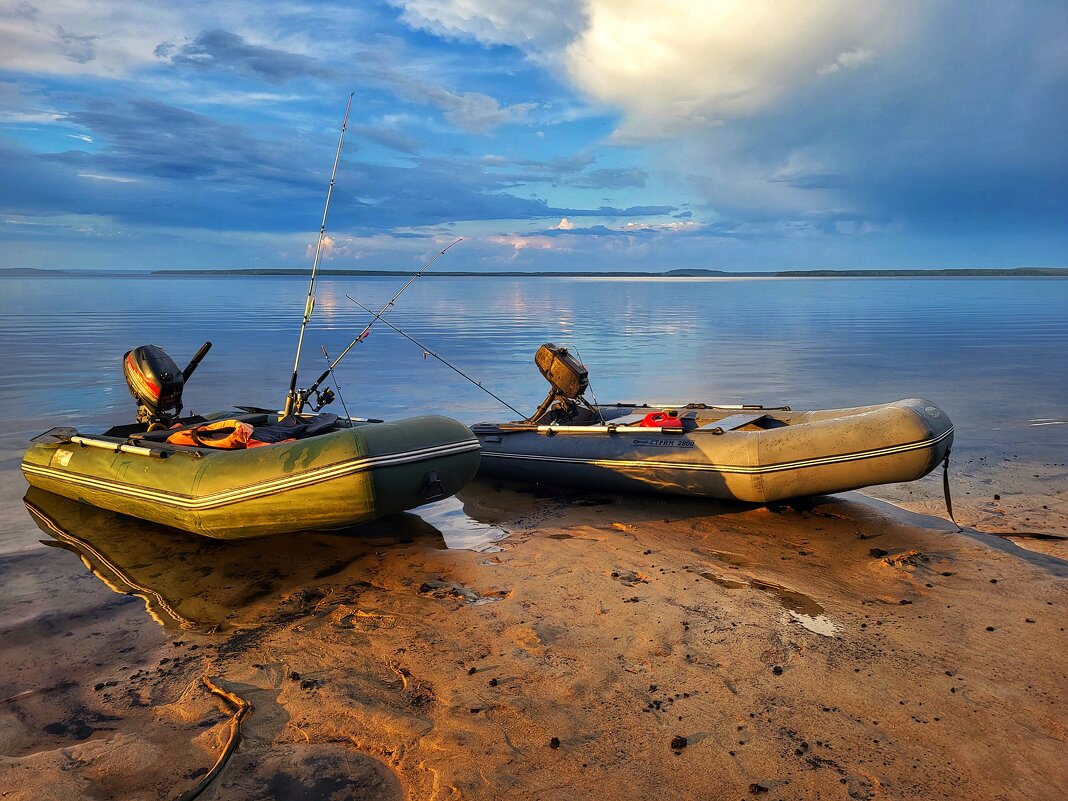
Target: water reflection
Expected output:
[198,584]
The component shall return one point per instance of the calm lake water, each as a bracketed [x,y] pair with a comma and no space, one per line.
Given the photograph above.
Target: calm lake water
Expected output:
[989,351]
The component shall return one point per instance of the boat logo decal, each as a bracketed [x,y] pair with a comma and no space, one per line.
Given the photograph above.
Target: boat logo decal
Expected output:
[933,411]
[662,443]
[62,457]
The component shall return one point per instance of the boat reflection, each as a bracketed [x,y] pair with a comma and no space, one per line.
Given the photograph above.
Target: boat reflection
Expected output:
[199,584]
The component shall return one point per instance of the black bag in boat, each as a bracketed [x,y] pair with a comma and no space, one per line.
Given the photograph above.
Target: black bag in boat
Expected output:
[293,427]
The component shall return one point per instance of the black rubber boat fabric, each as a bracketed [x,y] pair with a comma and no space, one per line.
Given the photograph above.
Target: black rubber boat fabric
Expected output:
[293,427]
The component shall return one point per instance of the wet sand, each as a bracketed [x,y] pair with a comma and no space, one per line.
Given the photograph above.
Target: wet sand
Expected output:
[609,647]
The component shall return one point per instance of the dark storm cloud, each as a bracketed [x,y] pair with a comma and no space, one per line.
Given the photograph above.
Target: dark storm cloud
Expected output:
[226,52]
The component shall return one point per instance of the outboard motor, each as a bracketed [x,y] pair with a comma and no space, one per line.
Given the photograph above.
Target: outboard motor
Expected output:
[156,383]
[568,376]
[569,379]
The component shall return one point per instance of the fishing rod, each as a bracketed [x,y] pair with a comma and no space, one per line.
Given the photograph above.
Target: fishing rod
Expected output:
[330,369]
[294,399]
[303,395]
[428,352]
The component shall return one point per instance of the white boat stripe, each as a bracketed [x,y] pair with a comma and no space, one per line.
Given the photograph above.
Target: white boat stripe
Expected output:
[740,469]
[260,489]
[311,476]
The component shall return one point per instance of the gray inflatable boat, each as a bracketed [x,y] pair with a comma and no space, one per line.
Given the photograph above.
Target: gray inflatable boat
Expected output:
[744,453]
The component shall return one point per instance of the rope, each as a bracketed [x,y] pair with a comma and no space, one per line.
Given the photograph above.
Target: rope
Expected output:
[949,497]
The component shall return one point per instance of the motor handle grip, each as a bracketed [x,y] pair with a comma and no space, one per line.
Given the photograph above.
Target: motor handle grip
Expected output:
[200,354]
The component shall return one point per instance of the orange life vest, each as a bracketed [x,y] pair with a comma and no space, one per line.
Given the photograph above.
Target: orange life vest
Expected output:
[224,434]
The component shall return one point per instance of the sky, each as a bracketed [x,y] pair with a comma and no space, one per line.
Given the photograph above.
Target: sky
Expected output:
[634,135]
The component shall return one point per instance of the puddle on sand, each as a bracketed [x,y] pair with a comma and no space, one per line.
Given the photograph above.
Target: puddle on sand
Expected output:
[734,560]
[799,607]
[729,584]
[817,624]
[791,600]
[459,530]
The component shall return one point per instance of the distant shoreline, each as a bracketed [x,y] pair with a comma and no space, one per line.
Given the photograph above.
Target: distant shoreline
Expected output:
[1016,272]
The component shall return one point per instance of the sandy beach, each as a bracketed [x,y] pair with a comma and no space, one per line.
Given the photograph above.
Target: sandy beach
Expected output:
[277,269]
[608,647]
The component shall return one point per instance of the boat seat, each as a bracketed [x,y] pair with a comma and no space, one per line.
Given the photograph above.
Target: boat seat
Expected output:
[735,421]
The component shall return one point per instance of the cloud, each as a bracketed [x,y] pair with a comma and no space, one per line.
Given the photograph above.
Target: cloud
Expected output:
[153,163]
[679,65]
[106,38]
[567,228]
[546,25]
[393,138]
[847,61]
[157,139]
[77,48]
[675,65]
[328,250]
[18,106]
[473,112]
[224,51]
[116,178]
[565,171]
[612,178]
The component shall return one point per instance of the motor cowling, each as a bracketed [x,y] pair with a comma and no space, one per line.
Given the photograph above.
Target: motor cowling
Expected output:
[156,383]
[568,376]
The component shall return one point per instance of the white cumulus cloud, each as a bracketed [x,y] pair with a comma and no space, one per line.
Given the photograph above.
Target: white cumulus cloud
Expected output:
[676,65]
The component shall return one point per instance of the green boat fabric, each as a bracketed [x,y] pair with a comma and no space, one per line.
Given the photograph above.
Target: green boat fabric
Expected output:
[358,472]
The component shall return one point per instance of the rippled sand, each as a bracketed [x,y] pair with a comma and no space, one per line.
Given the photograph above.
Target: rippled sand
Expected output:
[605,648]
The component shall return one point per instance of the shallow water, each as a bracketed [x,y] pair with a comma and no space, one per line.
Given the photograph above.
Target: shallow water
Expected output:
[987,350]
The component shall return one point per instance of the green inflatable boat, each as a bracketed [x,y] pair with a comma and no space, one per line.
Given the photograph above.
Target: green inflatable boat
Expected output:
[233,475]
[352,472]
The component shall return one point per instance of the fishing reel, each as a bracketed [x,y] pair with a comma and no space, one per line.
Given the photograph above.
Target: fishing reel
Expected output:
[156,383]
[302,398]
